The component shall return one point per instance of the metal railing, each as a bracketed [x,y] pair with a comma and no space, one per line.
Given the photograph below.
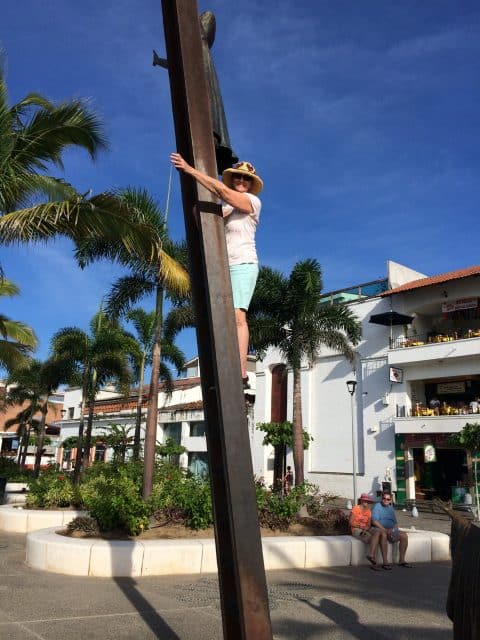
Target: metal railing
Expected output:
[430,338]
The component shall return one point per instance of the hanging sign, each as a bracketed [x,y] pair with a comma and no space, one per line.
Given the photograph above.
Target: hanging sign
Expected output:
[462,303]
[396,375]
[429,453]
[450,387]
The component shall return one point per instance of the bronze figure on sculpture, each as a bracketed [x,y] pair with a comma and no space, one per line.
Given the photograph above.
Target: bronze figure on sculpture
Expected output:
[223,151]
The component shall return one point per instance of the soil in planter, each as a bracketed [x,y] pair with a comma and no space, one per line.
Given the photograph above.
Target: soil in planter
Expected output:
[303,527]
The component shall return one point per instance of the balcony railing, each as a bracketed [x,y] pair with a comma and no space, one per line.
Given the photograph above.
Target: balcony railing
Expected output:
[420,410]
[420,340]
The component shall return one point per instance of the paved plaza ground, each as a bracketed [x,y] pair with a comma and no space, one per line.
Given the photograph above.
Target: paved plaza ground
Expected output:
[326,604]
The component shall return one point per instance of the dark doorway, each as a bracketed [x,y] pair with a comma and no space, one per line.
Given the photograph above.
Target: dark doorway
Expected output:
[445,478]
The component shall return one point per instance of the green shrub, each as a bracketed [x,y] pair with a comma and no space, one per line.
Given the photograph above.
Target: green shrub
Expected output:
[10,469]
[333,520]
[114,500]
[276,511]
[179,497]
[132,469]
[52,489]
[86,524]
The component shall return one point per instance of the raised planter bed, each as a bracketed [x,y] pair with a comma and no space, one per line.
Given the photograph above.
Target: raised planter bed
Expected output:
[17,519]
[15,492]
[50,551]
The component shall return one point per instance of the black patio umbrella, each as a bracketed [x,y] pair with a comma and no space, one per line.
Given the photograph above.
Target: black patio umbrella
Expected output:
[390,318]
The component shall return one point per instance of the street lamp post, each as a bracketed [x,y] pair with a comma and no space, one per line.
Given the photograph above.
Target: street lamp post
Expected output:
[351,385]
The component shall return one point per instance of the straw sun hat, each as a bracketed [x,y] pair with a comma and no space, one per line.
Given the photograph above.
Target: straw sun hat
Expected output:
[247,169]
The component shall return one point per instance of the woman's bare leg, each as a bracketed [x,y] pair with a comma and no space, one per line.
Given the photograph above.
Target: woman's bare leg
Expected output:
[243,337]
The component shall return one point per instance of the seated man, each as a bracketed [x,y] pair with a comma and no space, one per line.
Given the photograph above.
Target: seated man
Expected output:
[385,520]
[361,527]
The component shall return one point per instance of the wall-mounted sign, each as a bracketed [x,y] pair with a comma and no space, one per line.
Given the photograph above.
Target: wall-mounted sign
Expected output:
[462,303]
[450,387]
[429,453]
[396,375]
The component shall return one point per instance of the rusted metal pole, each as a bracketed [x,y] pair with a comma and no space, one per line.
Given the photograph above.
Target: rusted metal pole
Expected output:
[243,588]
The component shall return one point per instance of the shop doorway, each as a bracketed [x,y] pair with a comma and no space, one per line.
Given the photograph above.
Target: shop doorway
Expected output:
[445,478]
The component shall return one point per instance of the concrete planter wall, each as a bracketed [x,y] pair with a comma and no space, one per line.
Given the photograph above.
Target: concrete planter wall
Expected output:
[15,492]
[17,519]
[16,487]
[49,551]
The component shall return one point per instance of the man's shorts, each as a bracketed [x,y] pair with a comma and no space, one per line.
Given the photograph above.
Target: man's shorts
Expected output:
[363,534]
[392,535]
[244,278]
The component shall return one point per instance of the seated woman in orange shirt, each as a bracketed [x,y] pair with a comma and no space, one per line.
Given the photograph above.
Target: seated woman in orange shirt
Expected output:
[361,527]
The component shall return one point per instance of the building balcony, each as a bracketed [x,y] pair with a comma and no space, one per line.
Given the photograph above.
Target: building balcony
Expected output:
[411,350]
[434,424]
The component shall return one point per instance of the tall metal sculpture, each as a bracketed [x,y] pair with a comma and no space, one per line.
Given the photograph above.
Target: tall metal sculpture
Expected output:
[241,572]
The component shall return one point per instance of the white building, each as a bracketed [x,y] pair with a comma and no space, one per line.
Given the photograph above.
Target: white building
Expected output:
[180,416]
[415,384]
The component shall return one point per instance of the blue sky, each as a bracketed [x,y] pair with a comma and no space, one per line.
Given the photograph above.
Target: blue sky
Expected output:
[361,117]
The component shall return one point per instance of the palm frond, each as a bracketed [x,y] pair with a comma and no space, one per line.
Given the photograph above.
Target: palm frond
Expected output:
[8,288]
[103,215]
[49,130]
[12,354]
[144,324]
[178,318]
[127,291]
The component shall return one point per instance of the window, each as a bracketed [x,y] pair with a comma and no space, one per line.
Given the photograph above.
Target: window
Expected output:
[172,430]
[198,464]
[71,411]
[197,429]
[100,452]
[9,445]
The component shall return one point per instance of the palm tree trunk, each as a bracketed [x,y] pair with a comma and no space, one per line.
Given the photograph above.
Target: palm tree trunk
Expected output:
[152,411]
[40,439]
[88,430]
[138,420]
[298,451]
[21,432]
[278,472]
[78,458]
[23,458]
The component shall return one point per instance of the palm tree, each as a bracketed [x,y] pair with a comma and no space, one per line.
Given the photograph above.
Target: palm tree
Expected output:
[17,339]
[34,133]
[96,359]
[162,276]
[34,383]
[26,422]
[117,436]
[287,313]
[144,325]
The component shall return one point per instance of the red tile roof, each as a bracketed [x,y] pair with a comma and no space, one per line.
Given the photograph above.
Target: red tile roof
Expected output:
[195,405]
[440,279]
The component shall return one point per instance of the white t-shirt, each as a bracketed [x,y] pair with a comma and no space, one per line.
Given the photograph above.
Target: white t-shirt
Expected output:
[240,231]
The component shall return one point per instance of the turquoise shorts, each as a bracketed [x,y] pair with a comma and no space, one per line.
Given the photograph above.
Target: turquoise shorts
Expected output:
[243,277]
